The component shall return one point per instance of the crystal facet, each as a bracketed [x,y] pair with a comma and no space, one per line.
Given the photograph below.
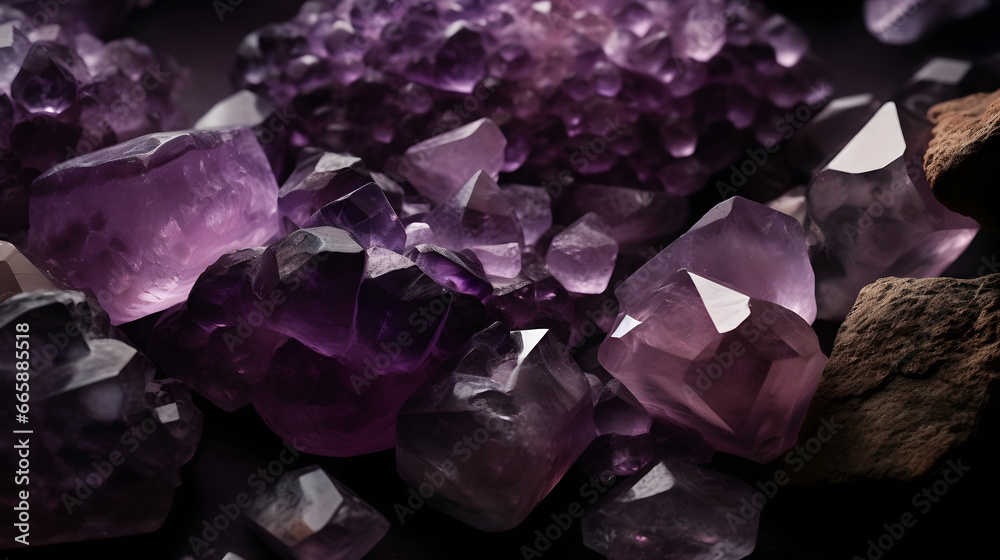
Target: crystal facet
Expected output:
[582,256]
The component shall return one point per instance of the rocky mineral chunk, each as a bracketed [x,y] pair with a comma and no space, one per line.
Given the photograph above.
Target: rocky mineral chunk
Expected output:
[915,366]
[963,157]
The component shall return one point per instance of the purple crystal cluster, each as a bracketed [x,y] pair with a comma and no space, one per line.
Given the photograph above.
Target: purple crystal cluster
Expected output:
[329,329]
[495,432]
[63,94]
[136,223]
[713,333]
[646,93]
[106,439]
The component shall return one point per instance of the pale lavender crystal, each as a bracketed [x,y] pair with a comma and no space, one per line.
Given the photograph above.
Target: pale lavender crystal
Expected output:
[319,178]
[618,412]
[760,251]
[673,509]
[479,218]
[876,216]
[138,222]
[245,108]
[63,94]
[944,79]
[366,215]
[18,274]
[309,515]
[533,208]
[441,165]
[900,22]
[457,271]
[582,256]
[107,441]
[706,356]
[496,432]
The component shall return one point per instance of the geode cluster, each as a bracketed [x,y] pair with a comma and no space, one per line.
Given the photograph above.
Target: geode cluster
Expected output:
[64,93]
[657,94]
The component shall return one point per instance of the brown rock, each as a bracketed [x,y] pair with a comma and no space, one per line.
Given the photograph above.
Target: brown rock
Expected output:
[962,162]
[913,370]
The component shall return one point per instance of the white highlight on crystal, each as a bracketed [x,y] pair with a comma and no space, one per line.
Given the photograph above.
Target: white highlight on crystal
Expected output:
[943,71]
[727,308]
[627,324]
[167,413]
[656,481]
[323,499]
[878,144]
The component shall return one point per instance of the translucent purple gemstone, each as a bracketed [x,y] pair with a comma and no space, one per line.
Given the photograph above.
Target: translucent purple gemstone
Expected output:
[706,356]
[138,222]
[439,166]
[491,397]
[366,215]
[876,215]
[582,256]
[760,251]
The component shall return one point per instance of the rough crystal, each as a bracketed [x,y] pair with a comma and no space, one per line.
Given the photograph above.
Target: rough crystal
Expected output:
[309,515]
[319,178]
[900,22]
[582,256]
[91,394]
[494,394]
[876,216]
[18,274]
[673,509]
[759,251]
[366,215]
[706,356]
[443,164]
[634,216]
[138,222]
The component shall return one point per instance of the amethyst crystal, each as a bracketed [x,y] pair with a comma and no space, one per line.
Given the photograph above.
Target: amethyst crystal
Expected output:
[707,356]
[309,515]
[245,108]
[62,95]
[494,433]
[943,79]
[366,215]
[326,338]
[319,178]
[633,216]
[673,509]
[900,22]
[639,93]
[582,256]
[138,222]
[758,250]
[18,274]
[819,140]
[876,216]
[442,164]
[107,441]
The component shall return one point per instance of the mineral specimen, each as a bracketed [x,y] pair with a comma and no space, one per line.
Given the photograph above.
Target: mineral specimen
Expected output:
[442,164]
[759,251]
[62,95]
[138,222]
[912,375]
[672,509]
[634,93]
[875,215]
[106,441]
[309,515]
[582,256]
[495,432]
[707,356]
[943,79]
[900,22]
[962,156]
[326,338]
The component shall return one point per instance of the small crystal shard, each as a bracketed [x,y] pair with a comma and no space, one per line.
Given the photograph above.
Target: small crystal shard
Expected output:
[478,429]
[582,256]
[673,509]
[309,515]
[441,165]
[319,178]
[366,215]
[138,222]
[876,216]
[706,356]
[478,217]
